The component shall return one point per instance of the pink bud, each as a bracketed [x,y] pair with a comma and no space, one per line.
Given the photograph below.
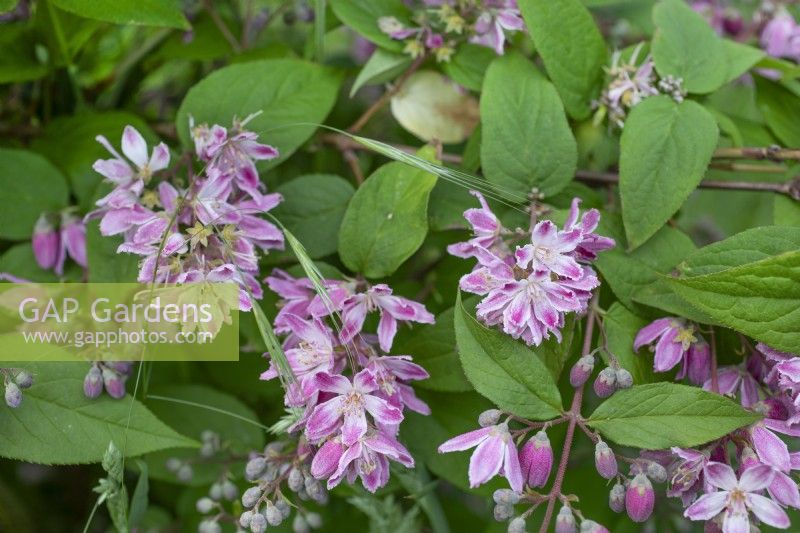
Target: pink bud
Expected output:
[565,521]
[73,237]
[115,386]
[747,459]
[590,526]
[45,243]
[616,498]
[606,383]
[93,382]
[434,40]
[536,459]
[604,460]
[640,498]
[581,371]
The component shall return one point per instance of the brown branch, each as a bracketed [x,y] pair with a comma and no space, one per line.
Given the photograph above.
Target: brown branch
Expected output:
[769,153]
[386,96]
[745,167]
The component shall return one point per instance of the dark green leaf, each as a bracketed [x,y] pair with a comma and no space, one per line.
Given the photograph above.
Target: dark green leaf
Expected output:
[468,65]
[139,499]
[505,370]
[781,110]
[526,142]
[106,265]
[571,47]
[665,150]
[382,66]
[145,12]
[363,15]
[660,415]
[621,327]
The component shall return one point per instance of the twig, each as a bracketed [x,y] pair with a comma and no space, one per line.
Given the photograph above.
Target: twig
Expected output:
[386,96]
[744,167]
[220,24]
[573,415]
[769,153]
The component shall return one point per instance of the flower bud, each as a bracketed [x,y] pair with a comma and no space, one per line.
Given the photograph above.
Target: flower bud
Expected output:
[314,520]
[503,511]
[604,460]
[204,505]
[251,496]
[209,526]
[173,464]
[656,472]
[639,498]
[115,387]
[244,519]
[616,498]
[590,526]
[46,243]
[23,379]
[536,459]
[506,496]
[273,514]
[283,506]
[517,525]
[215,491]
[300,525]
[229,490]
[565,521]
[258,523]
[489,417]
[254,468]
[93,382]
[581,371]
[13,394]
[605,384]
[624,378]
[73,238]
[207,450]
[185,473]
[295,480]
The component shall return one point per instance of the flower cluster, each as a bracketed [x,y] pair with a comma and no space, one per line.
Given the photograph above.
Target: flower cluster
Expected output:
[442,24]
[629,83]
[56,237]
[727,21]
[209,230]
[529,290]
[349,423]
[110,375]
[676,342]
[14,381]
[780,36]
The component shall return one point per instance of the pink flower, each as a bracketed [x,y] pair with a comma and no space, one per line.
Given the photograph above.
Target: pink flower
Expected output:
[737,498]
[686,477]
[639,498]
[119,171]
[494,453]
[486,228]
[348,408]
[551,249]
[731,378]
[73,241]
[781,36]
[390,372]
[490,25]
[46,243]
[676,342]
[536,460]
[392,308]
[590,243]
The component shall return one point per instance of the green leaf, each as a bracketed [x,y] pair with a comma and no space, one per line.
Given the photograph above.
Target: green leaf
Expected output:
[660,415]
[468,65]
[781,110]
[292,96]
[740,58]
[57,424]
[572,49]
[681,32]
[760,298]
[105,264]
[30,186]
[193,409]
[382,66]
[139,499]
[313,208]
[526,141]
[504,370]
[7,5]
[665,150]
[436,352]
[165,13]
[786,211]
[387,220]
[20,261]
[69,143]
[18,61]
[363,15]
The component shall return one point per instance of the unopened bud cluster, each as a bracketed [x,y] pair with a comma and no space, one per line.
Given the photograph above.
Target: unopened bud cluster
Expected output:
[182,468]
[15,380]
[110,375]
[609,380]
[223,490]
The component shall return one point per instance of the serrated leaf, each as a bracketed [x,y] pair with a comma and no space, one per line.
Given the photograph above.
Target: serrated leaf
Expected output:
[572,49]
[505,370]
[30,186]
[363,15]
[387,220]
[313,208]
[145,12]
[781,110]
[665,150]
[292,96]
[526,141]
[621,327]
[57,424]
[681,32]
[760,299]
[660,415]
[382,66]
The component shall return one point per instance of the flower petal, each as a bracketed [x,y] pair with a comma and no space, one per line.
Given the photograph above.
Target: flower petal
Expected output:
[768,511]
[707,506]
[134,146]
[486,461]
[720,475]
[465,441]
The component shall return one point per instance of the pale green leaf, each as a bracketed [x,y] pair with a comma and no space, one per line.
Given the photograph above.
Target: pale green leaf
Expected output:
[363,15]
[382,66]
[468,65]
[145,12]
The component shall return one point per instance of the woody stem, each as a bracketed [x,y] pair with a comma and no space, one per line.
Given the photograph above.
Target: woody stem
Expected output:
[572,415]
